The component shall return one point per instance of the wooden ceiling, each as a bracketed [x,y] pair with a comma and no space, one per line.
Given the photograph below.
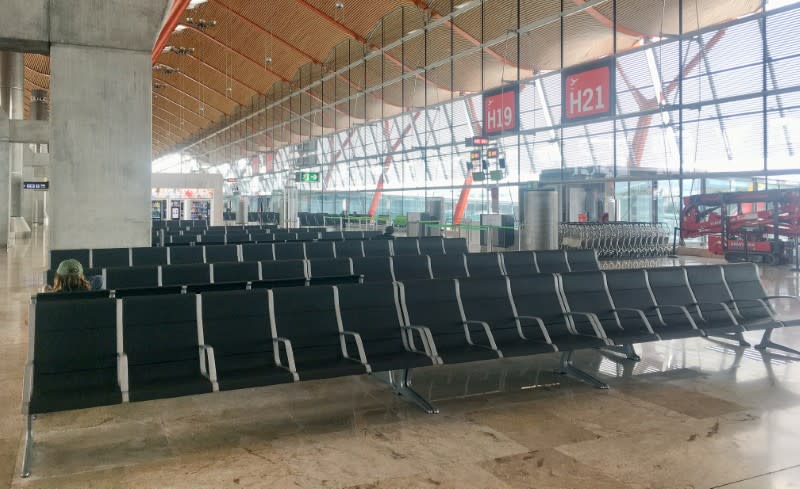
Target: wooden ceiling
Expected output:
[272,48]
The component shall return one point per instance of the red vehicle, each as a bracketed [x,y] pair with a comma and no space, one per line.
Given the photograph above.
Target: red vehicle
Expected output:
[744,226]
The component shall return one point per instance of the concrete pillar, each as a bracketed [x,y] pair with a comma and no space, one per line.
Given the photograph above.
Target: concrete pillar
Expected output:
[5,156]
[12,91]
[100,121]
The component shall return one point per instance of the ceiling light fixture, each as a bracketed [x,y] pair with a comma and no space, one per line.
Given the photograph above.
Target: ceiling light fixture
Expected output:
[195,3]
[338,5]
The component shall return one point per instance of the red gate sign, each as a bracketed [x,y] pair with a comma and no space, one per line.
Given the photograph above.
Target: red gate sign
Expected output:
[588,91]
[501,111]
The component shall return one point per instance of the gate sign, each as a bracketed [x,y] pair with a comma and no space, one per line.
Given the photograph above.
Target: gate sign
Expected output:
[588,91]
[501,111]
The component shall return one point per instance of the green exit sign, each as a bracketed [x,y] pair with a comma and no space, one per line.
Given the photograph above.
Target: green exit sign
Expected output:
[306,176]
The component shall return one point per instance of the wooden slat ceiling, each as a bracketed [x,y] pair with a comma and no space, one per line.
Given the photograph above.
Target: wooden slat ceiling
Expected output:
[226,67]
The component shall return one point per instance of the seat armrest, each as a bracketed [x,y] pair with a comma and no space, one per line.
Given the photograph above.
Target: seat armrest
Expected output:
[760,302]
[776,297]
[486,329]
[362,355]
[639,313]
[538,321]
[683,309]
[122,375]
[425,336]
[287,346]
[718,304]
[593,320]
[208,365]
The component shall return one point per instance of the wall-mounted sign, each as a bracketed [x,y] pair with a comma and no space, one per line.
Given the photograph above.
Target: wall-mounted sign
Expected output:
[476,141]
[492,153]
[231,180]
[306,176]
[588,91]
[475,156]
[496,175]
[478,176]
[501,111]
[36,185]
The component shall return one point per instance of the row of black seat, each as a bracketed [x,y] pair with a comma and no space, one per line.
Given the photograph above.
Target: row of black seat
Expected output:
[120,257]
[186,238]
[104,351]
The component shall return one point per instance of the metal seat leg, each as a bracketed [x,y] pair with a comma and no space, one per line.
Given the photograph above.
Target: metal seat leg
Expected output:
[400,382]
[626,350]
[26,456]
[568,368]
[766,342]
[738,336]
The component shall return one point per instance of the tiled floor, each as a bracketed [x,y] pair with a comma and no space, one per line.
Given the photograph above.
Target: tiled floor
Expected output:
[691,414]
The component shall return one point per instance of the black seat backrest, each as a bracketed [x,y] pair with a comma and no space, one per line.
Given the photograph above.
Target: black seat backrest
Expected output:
[353,235]
[586,292]
[237,322]
[198,273]
[378,247]
[746,287]
[484,264]
[518,263]
[160,328]
[449,266]
[434,303]
[149,256]
[405,246]
[307,236]
[350,249]
[374,313]
[330,267]
[111,257]
[582,260]
[261,236]
[319,249]
[145,291]
[372,234]
[235,272]
[80,294]
[411,267]
[257,252]
[238,237]
[185,255]
[708,284]
[222,253]
[332,236]
[552,261]
[628,288]
[488,300]
[290,251]
[457,246]
[187,238]
[307,317]
[214,239]
[283,269]
[539,296]
[431,246]
[284,236]
[374,268]
[57,256]
[131,277]
[670,286]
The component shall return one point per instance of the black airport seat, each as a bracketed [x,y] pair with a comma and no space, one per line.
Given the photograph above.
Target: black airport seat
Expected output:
[537,304]
[260,237]
[552,261]
[518,263]
[374,269]
[57,256]
[449,266]
[214,239]
[185,255]
[198,273]
[79,294]
[236,238]
[629,288]
[75,363]
[183,239]
[87,272]
[307,236]
[711,292]
[412,267]
[165,356]
[431,246]
[290,251]
[131,277]
[455,246]
[236,326]
[332,267]
[149,256]
[257,252]
[380,247]
[750,300]
[306,316]
[434,304]
[582,260]
[403,246]
[486,303]
[284,236]
[111,257]
[319,249]
[484,265]
[222,253]
[351,249]
[372,234]
[353,235]
[586,292]
[283,270]
[332,236]
[235,272]
[374,313]
[148,291]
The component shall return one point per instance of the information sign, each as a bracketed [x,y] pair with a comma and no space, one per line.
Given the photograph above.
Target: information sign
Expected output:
[588,91]
[501,111]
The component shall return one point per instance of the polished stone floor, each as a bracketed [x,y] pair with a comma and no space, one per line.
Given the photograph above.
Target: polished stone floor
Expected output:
[691,414]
